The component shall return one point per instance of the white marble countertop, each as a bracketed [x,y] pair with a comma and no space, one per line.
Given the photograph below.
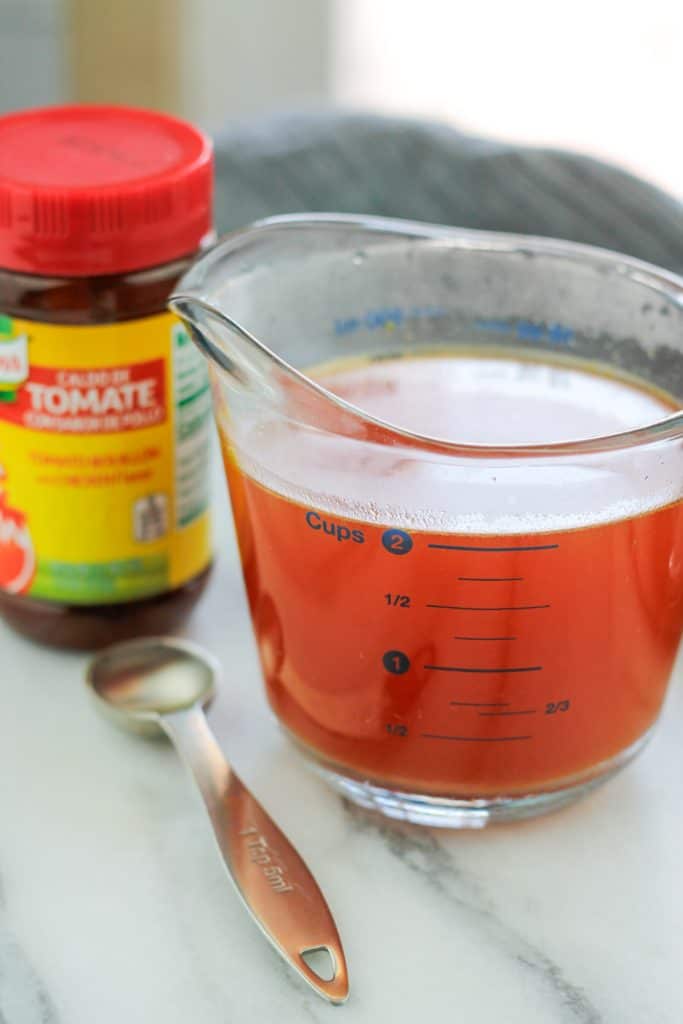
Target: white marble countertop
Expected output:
[115,908]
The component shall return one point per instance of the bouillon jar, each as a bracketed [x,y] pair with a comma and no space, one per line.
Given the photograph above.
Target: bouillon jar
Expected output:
[104,402]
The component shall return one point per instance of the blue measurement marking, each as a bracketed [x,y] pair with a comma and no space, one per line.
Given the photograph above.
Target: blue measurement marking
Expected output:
[559,334]
[386,317]
[527,330]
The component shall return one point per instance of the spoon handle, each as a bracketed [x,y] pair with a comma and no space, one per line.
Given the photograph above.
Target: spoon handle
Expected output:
[274,883]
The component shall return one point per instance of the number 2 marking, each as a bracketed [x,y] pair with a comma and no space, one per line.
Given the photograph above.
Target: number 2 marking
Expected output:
[397,542]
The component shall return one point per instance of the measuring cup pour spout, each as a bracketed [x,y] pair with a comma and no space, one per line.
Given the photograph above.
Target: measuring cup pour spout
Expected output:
[237,304]
[224,343]
[252,384]
[281,296]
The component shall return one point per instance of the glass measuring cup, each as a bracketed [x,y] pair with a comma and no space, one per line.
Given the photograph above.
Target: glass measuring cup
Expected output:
[452,633]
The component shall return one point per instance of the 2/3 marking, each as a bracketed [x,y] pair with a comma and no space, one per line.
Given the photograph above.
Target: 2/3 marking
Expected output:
[552,707]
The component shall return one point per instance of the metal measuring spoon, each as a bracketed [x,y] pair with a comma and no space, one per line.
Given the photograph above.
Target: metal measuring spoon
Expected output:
[163,684]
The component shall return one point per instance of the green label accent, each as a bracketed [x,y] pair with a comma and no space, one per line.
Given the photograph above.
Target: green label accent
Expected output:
[192,394]
[103,582]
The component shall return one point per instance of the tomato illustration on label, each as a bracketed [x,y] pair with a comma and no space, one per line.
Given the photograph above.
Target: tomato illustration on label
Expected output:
[17,557]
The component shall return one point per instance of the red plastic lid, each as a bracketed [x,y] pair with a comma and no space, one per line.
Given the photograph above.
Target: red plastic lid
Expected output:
[88,190]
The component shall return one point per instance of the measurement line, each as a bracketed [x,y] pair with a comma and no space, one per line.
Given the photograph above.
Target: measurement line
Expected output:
[477,704]
[474,739]
[494,714]
[469,547]
[484,637]
[483,671]
[503,608]
[491,579]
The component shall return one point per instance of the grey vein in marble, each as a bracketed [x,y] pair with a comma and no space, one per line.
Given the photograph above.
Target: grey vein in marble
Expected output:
[421,852]
[23,996]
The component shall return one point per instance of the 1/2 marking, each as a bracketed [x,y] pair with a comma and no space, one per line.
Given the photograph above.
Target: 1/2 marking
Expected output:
[398,600]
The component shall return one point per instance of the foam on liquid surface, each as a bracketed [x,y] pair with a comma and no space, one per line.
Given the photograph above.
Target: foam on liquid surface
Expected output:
[494,401]
[472,401]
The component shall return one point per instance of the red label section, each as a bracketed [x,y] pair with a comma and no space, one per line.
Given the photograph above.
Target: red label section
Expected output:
[102,401]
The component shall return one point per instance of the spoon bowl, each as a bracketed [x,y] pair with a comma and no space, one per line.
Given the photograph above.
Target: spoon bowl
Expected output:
[136,682]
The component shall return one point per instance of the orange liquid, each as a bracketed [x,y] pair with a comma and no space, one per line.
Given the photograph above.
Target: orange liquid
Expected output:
[458,662]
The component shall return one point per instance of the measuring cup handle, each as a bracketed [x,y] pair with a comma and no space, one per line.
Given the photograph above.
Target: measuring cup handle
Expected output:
[273,881]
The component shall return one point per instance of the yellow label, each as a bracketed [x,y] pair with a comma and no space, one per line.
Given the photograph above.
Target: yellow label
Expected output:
[104,442]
